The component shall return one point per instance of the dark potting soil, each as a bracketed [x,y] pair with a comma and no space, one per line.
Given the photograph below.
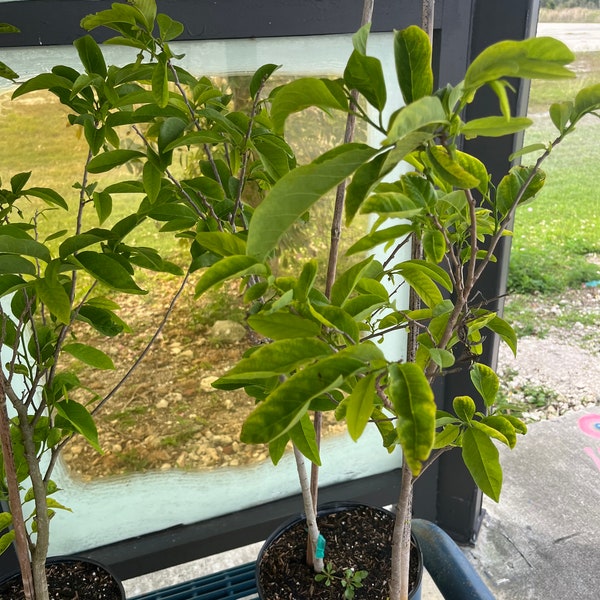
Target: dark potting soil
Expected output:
[71,580]
[358,538]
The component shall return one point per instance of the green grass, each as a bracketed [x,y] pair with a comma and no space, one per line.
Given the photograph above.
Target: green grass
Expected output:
[570,15]
[554,233]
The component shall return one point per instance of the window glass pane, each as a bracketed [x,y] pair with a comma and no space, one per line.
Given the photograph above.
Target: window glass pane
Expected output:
[171,451]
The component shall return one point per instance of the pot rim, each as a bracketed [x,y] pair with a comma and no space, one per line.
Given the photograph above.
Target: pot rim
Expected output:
[331,508]
[67,559]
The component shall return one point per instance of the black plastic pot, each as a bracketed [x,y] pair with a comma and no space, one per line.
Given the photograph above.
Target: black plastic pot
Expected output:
[78,568]
[325,510]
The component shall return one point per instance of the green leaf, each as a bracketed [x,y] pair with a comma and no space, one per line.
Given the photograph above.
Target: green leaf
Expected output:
[260,76]
[221,243]
[53,295]
[442,358]
[519,426]
[414,404]
[90,55]
[277,358]
[302,93]
[534,58]
[152,179]
[560,113]
[505,331]
[52,503]
[304,437]
[5,520]
[283,325]
[434,245]
[7,73]
[587,99]
[359,406]
[18,181]
[160,82]
[338,319]
[77,419]
[8,28]
[286,405]
[45,81]
[278,447]
[103,205]
[28,247]
[12,263]
[504,427]
[109,271]
[421,113]
[412,53]
[513,188]
[365,74]
[297,191]
[111,159]
[449,168]
[494,126]
[89,355]
[464,407]
[365,178]
[6,540]
[49,196]
[346,282]
[102,320]
[168,28]
[227,268]
[447,436]
[381,236]
[486,382]
[481,457]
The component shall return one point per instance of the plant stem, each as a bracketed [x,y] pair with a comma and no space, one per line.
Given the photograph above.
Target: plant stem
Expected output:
[14,499]
[309,511]
[399,583]
[334,246]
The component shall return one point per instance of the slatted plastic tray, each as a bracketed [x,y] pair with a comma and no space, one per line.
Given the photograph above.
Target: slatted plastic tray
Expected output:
[237,583]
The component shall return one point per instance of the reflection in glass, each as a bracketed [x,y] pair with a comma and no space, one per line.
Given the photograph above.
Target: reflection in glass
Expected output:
[167,447]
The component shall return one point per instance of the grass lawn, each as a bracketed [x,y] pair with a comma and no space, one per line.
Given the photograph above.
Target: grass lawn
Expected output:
[554,235]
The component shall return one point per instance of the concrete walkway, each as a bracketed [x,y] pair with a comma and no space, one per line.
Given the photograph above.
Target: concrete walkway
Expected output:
[542,540]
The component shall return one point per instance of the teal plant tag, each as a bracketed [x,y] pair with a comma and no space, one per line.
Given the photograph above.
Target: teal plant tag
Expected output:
[320,550]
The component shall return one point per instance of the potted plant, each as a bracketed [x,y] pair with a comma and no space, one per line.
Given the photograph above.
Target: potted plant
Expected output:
[58,285]
[322,351]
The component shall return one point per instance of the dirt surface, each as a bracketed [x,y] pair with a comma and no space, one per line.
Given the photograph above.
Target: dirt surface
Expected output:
[557,370]
[358,539]
[167,415]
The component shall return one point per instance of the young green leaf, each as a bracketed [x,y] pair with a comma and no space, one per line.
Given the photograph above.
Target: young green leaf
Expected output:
[89,355]
[51,292]
[414,404]
[304,438]
[111,159]
[419,114]
[412,52]
[75,417]
[486,382]
[286,405]
[302,93]
[365,75]
[281,357]
[359,405]
[464,407]
[90,55]
[283,325]
[6,540]
[481,457]
[228,268]
[108,271]
[297,191]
